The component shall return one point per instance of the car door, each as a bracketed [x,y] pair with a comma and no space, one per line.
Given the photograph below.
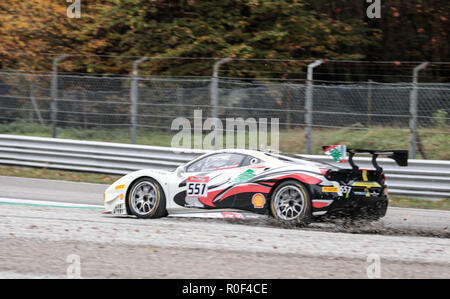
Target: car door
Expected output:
[205,179]
[243,186]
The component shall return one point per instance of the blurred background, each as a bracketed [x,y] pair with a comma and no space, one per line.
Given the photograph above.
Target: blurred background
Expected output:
[125,69]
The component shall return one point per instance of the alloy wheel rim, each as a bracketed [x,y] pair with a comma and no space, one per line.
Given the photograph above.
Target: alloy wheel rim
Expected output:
[143,198]
[289,202]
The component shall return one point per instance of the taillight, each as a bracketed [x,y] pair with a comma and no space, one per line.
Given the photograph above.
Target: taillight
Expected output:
[383,178]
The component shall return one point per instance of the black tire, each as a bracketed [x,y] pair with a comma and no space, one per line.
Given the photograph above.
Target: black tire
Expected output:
[281,201]
[149,199]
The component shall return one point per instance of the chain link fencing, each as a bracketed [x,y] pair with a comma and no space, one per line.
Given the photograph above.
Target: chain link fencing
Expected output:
[98,108]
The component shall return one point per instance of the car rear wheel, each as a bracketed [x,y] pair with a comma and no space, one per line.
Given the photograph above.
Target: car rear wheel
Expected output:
[291,203]
[146,199]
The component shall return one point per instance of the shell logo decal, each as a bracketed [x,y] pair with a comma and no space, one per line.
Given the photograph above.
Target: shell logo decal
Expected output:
[258,201]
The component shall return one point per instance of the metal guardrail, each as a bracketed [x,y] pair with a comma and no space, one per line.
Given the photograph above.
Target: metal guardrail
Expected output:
[421,179]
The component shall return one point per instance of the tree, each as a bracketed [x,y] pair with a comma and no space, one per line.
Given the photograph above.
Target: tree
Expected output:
[282,29]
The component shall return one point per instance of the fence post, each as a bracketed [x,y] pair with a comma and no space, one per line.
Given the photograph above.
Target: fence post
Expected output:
[34,104]
[288,104]
[369,103]
[413,110]
[134,97]
[309,104]
[54,92]
[214,93]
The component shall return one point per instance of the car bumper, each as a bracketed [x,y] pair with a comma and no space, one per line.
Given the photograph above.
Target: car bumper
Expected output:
[114,202]
[374,205]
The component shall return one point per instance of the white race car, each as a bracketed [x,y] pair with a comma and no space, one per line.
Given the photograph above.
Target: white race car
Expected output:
[287,187]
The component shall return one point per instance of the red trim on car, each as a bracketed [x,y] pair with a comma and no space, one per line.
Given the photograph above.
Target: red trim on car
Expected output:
[244,189]
[302,178]
[319,204]
[209,200]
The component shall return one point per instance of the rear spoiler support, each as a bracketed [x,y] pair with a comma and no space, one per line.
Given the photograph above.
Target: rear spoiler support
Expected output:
[399,156]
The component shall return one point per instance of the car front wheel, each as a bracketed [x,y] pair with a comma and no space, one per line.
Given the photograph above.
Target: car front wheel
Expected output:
[146,199]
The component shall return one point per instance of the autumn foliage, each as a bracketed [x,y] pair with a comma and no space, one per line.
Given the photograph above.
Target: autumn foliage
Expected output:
[299,29]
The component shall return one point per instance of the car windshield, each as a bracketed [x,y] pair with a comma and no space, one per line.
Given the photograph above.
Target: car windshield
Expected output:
[216,162]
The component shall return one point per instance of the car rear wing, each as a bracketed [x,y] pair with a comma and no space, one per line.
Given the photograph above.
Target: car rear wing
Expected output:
[399,156]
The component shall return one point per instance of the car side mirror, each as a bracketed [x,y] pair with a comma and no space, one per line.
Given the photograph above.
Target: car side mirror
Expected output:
[180,170]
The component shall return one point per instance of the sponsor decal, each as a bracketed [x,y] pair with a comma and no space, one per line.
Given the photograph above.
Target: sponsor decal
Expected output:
[199,179]
[118,187]
[330,189]
[193,202]
[245,176]
[338,152]
[258,200]
[197,186]
[231,215]
[365,193]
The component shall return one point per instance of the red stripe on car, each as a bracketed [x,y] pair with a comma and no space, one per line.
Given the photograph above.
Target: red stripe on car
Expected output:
[319,204]
[301,177]
[209,200]
[244,189]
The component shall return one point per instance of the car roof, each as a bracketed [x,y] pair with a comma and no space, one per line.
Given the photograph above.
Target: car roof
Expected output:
[255,153]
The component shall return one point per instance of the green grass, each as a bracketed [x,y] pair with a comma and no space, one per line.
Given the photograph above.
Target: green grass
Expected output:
[435,141]
[52,174]
[109,179]
[443,204]
[118,135]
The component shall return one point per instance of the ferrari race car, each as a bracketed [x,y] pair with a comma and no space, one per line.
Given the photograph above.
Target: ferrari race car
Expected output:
[287,187]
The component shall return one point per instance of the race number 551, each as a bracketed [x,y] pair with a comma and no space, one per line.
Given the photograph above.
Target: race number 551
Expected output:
[197,186]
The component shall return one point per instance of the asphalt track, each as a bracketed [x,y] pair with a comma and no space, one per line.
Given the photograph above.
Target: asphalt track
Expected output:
[37,239]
